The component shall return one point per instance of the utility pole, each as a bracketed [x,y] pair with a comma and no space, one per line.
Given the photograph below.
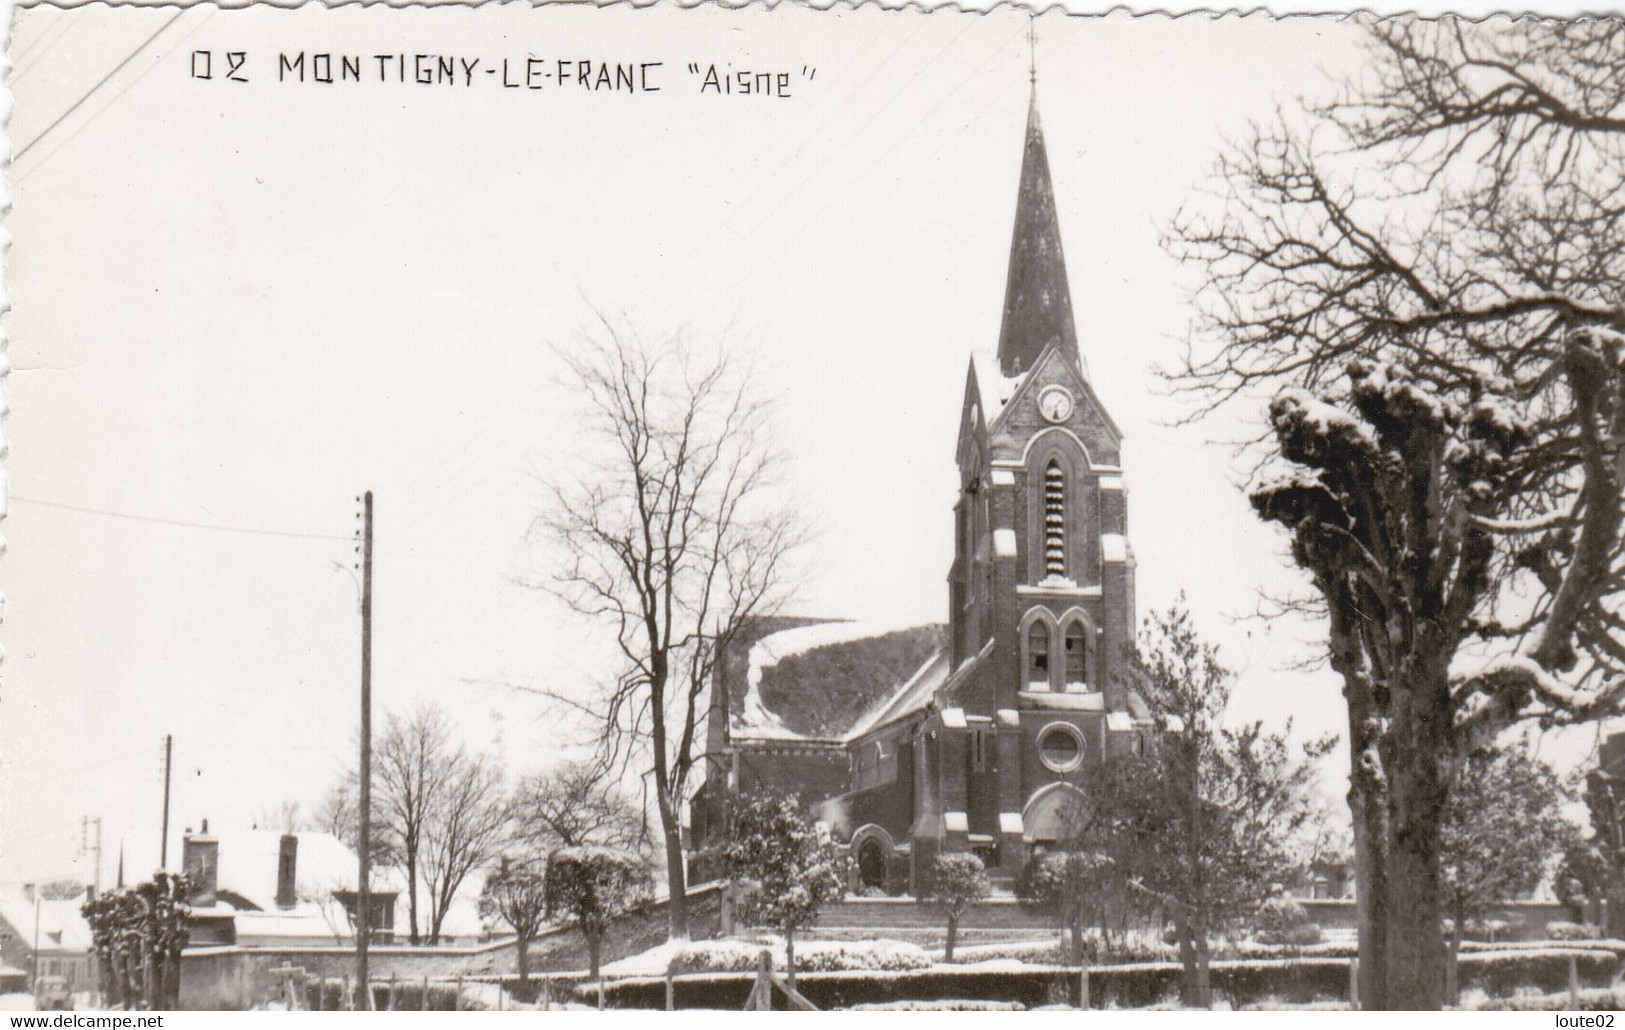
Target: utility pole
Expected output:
[163,837]
[85,848]
[363,920]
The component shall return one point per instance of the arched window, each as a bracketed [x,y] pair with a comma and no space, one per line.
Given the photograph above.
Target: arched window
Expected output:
[1054,520]
[1077,656]
[1038,656]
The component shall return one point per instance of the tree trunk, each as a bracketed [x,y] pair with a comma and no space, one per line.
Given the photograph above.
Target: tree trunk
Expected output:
[522,949]
[412,898]
[1452,969]
[1204,983]
[1368,807]
[790,956]
[595,942]
[1415,949]
[676,879]
[953,934]
[1189,993]
[1370,897]
[1075,932]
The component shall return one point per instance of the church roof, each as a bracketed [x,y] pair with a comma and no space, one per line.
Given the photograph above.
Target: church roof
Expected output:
[1037,299]
[817,681]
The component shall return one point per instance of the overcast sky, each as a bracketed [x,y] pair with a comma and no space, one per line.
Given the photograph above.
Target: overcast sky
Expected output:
[241,304]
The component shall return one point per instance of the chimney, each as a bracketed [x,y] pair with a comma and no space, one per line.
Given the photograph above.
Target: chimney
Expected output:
[287,866]
[200,861]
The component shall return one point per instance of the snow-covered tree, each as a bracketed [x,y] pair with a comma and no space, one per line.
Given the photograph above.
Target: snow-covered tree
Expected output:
[1503,830]
[785,868]
[590,886]
[1458,212]
[959,880]
[1072,883]
[1206,822]
[139,933]
[516,892]
[667,530]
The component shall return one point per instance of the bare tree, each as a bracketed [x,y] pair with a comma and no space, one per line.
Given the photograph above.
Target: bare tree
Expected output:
[413,762]
[1437,262]
[467,823]
[573,805]
[337,815]
[667,529]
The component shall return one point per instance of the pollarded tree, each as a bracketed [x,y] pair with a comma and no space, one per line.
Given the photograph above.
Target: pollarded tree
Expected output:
[591,886]
[1459,213]
[668,531]
[139,933]
[1396,505]
[1207,821]
[958,882]
[516,892]
[1503,830]
[786,869]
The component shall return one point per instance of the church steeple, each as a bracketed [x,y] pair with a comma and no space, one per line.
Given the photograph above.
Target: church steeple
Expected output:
[1037,302]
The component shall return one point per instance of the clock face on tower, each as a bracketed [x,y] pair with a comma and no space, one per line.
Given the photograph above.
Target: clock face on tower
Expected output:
[1055,403]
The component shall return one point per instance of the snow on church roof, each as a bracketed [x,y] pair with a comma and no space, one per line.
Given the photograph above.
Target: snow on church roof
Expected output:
[814,681]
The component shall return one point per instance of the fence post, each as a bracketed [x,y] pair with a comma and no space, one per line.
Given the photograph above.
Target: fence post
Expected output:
[671,998]
[392,989]
[423,999]
[1083,988]
[1354,984]
[457,1005]
[1574,982]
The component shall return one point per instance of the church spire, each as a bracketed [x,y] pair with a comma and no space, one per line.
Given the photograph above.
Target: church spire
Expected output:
[1037,302]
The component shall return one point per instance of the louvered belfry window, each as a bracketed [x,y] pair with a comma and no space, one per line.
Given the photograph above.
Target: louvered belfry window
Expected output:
[1054,520]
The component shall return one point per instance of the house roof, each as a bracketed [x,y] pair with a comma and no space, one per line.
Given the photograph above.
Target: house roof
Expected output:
[247,864]
[61,926]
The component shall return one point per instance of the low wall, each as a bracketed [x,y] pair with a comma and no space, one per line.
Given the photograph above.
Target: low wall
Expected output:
[234,978]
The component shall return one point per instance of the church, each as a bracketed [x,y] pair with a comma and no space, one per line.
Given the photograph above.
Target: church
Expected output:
[977,734]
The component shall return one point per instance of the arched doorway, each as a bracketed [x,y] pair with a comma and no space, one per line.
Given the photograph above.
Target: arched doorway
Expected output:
[872,864]
[1053,815]
[871,853]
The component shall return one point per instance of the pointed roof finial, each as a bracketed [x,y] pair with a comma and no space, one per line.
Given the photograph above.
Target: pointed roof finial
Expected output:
[1037,301]
[1032,49]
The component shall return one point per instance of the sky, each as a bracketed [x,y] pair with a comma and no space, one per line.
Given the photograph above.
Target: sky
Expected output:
[240,304]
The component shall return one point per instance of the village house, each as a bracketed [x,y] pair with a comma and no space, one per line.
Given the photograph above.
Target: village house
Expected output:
[42,936]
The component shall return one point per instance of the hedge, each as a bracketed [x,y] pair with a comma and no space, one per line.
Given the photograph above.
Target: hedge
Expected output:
[1143,985]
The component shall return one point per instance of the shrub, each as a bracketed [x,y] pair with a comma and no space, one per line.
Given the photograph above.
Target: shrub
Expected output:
[1605,1000]
[1284,921]
[740,956]
[1561,931]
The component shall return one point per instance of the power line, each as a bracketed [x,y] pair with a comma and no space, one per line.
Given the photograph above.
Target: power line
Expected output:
[100,83]
[182,522]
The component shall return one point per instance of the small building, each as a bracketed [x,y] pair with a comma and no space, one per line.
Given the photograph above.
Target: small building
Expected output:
[260,888]
[62,937]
